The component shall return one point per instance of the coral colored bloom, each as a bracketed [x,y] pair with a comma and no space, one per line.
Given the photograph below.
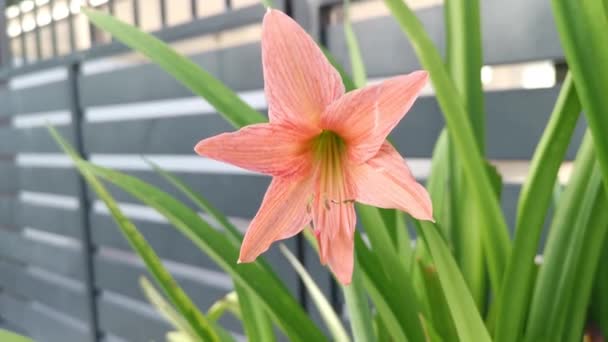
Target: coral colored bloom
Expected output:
[324,149]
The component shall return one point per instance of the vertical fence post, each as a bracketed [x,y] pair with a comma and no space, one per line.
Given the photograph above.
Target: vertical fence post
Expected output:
[88,248]
[5,55]
[309,14]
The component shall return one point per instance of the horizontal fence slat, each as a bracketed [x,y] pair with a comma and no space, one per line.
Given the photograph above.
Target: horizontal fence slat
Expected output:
[241,195]
[64,260]
[37,322]
[166,241]
[5,98]
[62,181]
[148,136]
[8,177]
[59,221]
[123,278]
[387,51]
[121,321]
[511,113]
[32,140]
[35,287]
[8,210]
[238,67]
[42,98]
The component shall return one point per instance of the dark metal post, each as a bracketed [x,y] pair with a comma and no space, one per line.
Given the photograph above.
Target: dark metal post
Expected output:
[37,33]
[194,8]
[53,27]
[5,52]
[136,13]
[163,13]
[22,39]
[228,4]
[88,248]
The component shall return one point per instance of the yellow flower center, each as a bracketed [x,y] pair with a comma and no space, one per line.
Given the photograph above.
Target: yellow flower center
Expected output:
[329,151]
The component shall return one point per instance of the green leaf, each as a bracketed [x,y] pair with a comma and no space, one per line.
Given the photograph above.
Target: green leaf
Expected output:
[467,320]
[534,201]
[258,325]
[582,27]
[356,60]
[440,313]
[331,319]
[199,81]
[254,276]
[599,304]
[230,303]
[550,273]
[496,237]
[396,303]
[178,297]
[8,336]
[166,309]
[358,306]
[583,262]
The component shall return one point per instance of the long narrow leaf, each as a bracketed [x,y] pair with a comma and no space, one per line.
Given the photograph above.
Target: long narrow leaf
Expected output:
[548,279]
[583,264]
[273,294]
[9,336]
[356,60]
[199,81]
[467,320]
[582,27]
[331,319]
[534,201]
[461,133]
[178,297]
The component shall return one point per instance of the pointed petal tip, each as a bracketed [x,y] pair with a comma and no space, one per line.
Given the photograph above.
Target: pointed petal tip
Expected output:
[199,148]
[239,261]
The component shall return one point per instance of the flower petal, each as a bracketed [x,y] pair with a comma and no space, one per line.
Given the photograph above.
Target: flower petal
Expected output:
[341,257]
[385,181]
[365,117]
[265,148]
[299,81]
[281,215]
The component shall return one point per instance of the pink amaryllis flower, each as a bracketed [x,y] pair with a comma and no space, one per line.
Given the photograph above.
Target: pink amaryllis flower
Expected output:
[324,149]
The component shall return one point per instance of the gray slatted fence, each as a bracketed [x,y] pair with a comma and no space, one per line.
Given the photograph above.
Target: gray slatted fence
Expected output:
[55,288]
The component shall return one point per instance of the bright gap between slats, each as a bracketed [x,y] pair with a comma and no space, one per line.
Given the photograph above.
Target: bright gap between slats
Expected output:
[513,171]
[199,274]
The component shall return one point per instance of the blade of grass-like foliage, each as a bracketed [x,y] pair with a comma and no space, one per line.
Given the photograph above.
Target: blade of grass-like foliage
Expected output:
[171,315]
[534,201]
[583,264]
[464,61]
[467,320]
[331,319]
[165,309]
[256,322]
[356,299]
[199,81]
[599,304]
[230,303]
[358,308]
[9,336]
[199,200]
[356,60]
[582,27]
[439,310]
[548,279]
[437,184]
[178,297]
[496,237]
[268,3]
[272,293]
[400,319]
